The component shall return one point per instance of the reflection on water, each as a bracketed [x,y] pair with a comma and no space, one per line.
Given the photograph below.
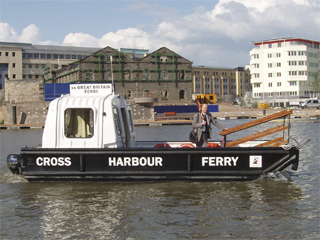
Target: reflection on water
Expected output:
[259,209]
[145,209]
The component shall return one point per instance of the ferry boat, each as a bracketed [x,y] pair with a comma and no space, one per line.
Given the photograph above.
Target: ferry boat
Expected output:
[89,134]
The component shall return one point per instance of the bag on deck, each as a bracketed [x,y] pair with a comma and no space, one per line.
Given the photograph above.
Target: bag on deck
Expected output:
[193,136]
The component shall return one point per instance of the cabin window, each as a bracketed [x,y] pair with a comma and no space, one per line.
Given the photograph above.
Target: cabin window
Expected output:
[78,123]
[117,120]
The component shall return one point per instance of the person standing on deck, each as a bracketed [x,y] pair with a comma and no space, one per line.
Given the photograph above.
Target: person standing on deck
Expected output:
[202,124]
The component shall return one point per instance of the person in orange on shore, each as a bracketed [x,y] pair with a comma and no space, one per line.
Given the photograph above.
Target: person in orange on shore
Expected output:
[202,124]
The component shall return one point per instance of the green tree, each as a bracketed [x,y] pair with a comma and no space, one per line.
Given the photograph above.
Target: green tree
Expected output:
[315,84]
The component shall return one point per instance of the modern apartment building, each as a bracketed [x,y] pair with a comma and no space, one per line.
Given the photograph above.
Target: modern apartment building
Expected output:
[283,68]
[20,61]
[224,82]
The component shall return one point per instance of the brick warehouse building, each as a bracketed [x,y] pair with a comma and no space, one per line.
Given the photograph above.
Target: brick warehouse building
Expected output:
[162,76]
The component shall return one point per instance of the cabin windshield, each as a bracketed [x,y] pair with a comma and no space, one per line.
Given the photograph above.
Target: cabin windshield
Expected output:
[117,120]
[78,123]
[131,121]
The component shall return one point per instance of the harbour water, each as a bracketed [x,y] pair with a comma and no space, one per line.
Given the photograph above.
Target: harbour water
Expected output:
[283,207]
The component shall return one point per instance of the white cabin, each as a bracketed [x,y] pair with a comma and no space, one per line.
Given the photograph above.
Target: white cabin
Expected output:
[91,116]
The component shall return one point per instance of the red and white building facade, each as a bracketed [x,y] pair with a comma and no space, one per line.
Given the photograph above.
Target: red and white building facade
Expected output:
[284,68]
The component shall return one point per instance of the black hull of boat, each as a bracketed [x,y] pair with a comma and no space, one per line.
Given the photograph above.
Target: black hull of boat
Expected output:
[154,164]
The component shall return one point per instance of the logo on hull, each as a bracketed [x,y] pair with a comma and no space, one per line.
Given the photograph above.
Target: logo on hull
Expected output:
[255,161]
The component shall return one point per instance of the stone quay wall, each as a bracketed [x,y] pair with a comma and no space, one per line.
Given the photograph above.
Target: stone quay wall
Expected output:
[24,113]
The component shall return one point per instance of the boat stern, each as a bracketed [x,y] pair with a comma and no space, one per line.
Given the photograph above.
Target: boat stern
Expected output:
[14,163]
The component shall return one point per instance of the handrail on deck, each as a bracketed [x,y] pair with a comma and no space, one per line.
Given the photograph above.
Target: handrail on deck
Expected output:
[255,123]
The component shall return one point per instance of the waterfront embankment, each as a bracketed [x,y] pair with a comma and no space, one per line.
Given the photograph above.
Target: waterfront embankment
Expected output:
[226,112]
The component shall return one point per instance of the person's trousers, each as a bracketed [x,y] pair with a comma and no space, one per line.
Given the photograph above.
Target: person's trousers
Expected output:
[203,140]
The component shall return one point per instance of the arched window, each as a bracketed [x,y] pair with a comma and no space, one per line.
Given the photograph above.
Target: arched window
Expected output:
[164,94]
[146,74]
[127,74]
[181,94]
[128,94]
[164,75]
[108,74]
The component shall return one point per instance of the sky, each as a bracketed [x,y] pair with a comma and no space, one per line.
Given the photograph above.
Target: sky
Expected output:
[215,33]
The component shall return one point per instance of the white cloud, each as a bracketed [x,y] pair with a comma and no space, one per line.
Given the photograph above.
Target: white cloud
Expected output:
[218,37]
[30,34]
[80,39]
[7,33]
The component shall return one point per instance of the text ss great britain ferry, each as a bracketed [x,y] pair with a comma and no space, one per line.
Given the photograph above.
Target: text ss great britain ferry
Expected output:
[89,135]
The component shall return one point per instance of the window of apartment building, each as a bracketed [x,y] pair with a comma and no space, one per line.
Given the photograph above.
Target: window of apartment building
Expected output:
[23,65]
[36,55]
[278,74]
[49,56]
[74,57]
[55,56]
[37,76]
[278,84]
[36,65]
[279,64]
[292,73]
[292,63]
[270,75]
[30,76]
[43,56]
[13,76]
[302,73]
[270,94]
[23,76]
[68,56]
[7,54]
[256,85]
[269,45]
[292,53]
[293,83]
[43,65]
[269,84]
[29,55]
[269,55]
[256,56]
[13,65]
[279,44]
[30,65]
[278,55]
[61,56]
[13,54]
[269,65]
[302,63]
[302,53]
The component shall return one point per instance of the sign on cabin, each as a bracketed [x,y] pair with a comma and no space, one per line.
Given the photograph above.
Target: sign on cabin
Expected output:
[90,89]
